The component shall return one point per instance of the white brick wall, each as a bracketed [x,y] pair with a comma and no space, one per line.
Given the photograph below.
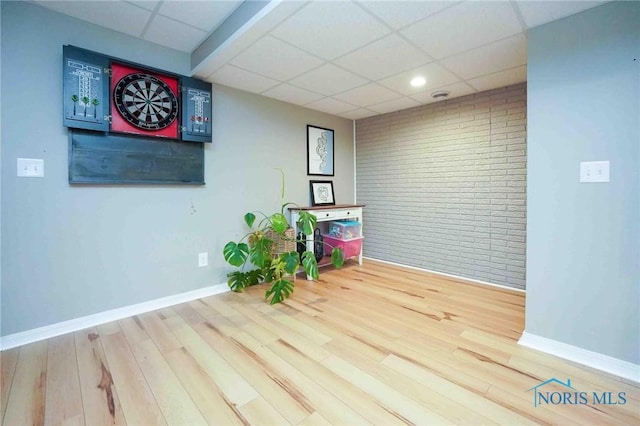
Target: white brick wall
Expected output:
[445,185]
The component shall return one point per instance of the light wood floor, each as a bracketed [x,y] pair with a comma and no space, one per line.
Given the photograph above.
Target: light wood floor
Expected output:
[365,345]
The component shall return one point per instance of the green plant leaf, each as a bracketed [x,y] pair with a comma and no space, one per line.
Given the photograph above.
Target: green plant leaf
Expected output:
[279,223]
[279,291]
[260,253]
[310,264]
[278,269]
[267,274]
[236,254]
[291,261]
[337,257]
[237,281]
[255,276]
[249,218]
[307,222]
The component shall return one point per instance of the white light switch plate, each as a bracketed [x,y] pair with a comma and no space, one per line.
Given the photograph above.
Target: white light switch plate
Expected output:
[594,171]
[30,167]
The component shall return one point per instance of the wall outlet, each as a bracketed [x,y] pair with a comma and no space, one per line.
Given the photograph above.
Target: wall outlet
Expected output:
[203,259]
[30,167]
[594,171]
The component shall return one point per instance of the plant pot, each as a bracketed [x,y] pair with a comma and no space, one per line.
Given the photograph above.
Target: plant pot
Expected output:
[280,244]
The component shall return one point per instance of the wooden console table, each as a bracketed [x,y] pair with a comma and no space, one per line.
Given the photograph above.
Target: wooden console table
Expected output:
[325,214]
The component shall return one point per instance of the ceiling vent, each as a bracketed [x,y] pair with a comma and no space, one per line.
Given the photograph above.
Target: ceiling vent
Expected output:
[440,94]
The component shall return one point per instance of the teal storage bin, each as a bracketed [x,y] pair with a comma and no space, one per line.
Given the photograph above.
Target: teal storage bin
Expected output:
[345,229]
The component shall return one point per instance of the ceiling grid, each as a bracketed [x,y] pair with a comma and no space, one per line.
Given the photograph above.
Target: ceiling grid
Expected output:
[349,58]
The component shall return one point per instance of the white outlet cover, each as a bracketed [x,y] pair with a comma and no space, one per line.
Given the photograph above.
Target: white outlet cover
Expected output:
[594,171]
[30,167]
[203,259]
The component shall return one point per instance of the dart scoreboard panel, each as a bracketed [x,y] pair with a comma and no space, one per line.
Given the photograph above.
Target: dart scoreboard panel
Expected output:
[129,123]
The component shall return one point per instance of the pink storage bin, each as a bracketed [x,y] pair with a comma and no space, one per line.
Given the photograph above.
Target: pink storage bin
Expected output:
[350,247]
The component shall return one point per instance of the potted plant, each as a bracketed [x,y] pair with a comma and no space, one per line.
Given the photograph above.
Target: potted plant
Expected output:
[267,253]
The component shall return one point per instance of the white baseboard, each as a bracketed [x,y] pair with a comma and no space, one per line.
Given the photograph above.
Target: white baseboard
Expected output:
[457,277]
[595,360]
[57,329]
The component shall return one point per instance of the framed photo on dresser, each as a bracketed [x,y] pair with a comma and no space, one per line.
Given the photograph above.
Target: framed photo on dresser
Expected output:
[322,193]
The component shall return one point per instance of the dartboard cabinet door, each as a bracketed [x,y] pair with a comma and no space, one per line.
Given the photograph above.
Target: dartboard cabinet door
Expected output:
[85,89]
[196,110]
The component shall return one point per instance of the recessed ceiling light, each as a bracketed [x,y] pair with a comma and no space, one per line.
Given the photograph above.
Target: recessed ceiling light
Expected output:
[418,81]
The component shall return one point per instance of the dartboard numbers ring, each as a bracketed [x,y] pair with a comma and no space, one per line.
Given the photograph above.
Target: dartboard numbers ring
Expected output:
[145,101]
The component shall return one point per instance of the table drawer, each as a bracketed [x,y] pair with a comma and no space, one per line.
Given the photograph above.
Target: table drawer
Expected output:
[338,214]
[322,215]
[347,214]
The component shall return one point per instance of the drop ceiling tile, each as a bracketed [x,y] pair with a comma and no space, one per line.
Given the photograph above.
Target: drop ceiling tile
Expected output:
[435,74]
[275,59]
[501,55]
[231,76]
[116,15]
[367,95]
[463,27]
[455,91]
[330,29]
[207,59]
[292,94]
[500,79]
[394,105]
[145,4]
[537,13]
[277,14]
[174,34]
[330,105]
[398,14]
[205,15]
[357,114]
[207,68]
[328,80]
[387,56]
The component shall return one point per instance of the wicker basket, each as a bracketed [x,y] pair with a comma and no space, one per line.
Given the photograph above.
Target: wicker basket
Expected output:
[281,245]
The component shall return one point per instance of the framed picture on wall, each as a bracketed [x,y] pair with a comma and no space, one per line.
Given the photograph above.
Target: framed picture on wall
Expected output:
[320,151]
[322,193]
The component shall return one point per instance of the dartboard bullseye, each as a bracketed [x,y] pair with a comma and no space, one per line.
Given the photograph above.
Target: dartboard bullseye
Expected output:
[145,101]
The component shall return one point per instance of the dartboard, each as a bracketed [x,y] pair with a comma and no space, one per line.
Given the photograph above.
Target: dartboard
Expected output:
[145,101]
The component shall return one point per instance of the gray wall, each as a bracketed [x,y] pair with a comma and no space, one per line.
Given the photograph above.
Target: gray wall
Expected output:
[444,186]
[74,251]
[0,176]
[583,253]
